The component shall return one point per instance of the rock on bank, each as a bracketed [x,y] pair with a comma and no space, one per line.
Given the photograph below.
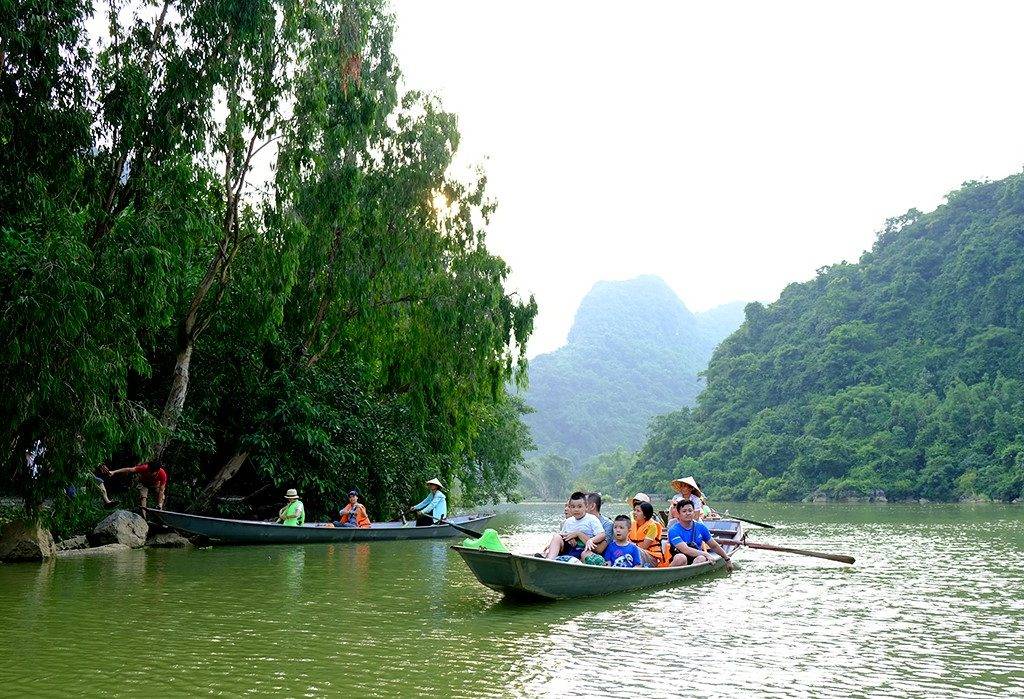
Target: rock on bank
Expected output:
[25,541]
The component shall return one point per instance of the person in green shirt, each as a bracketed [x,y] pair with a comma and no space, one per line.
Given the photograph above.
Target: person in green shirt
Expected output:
[293,514]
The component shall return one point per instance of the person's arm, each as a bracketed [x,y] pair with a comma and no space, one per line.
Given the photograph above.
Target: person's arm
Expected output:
[649,540]
[126,469]
[594,541]
[717,548]
[638,560]
[440,510]
[423,503]
[160,490]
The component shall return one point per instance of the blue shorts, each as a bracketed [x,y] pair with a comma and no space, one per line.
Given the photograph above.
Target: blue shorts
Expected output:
[575,553]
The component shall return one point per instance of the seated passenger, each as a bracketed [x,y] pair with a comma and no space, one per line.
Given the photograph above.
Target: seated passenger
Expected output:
[577,529]
[598,543]
[687,539]
[292,514]
[621,552]
[354,513]
[645,532]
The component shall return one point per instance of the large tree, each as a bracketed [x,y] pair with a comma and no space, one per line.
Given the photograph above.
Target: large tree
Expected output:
[237,190]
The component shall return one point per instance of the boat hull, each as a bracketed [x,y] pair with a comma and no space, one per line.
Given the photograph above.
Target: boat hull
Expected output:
[237,531]
[530,577]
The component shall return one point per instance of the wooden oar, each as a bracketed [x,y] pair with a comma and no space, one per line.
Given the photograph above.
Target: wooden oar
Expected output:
[467,532]
[839,558]
[748,521]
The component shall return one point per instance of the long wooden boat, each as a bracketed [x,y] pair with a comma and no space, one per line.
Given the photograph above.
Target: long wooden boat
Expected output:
[238,531]
[526,576]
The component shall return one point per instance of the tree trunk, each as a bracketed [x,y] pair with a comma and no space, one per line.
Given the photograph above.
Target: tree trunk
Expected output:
[176,396]
[226,473]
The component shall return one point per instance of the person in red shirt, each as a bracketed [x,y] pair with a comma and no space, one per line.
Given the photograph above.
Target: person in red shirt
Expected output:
[150,476]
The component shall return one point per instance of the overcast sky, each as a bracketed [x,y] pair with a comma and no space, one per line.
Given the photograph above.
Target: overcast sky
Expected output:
[731,148]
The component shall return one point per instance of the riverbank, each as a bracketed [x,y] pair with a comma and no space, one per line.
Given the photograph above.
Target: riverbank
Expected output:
[29,541]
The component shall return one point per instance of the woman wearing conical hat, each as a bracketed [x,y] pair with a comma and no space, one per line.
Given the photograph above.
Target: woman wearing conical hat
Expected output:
[688,488]
[433,508]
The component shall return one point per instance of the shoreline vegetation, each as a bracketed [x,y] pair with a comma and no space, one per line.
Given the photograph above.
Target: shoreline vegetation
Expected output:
[900,377]
[231,243]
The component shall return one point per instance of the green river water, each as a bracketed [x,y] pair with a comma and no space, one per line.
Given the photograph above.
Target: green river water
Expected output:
[933,607]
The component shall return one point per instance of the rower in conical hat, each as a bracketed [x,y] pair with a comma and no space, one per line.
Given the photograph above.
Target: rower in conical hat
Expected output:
[433,508]
[688,488]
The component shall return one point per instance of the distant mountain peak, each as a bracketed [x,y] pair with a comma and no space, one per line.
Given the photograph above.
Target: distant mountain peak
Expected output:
[644,306]
[634,351]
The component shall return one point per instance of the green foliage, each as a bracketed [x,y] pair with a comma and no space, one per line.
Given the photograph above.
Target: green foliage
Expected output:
[490,469]
[606,473]
[903,373]
[634,352]
[547,477]
[74,512]
[328,329]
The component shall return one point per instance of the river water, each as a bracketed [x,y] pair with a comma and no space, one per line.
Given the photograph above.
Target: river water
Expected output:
[933,607]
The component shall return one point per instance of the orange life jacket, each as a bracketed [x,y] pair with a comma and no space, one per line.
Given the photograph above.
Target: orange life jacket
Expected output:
[649,528]
[361,519]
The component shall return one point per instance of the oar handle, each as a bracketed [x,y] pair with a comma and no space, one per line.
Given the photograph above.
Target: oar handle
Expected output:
[748,521]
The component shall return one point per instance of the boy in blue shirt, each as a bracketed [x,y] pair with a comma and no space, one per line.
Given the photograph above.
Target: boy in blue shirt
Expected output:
[622,553]
[687,537]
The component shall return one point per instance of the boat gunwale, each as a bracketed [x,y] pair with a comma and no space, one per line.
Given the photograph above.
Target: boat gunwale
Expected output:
[374,526]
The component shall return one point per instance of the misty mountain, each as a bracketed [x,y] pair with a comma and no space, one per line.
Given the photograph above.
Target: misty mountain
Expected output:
[634,351]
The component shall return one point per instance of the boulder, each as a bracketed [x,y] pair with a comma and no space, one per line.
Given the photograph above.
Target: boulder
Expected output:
[25,541]
[95,551]
[168,540]
[73,544]
[120,527]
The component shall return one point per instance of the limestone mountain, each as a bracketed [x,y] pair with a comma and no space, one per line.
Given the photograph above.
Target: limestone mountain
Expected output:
[634,351]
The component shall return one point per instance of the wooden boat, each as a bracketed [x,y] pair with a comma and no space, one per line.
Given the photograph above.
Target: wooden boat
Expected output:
[526,576]
[238,531]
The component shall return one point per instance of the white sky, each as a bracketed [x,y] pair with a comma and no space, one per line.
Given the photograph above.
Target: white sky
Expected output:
[731,148]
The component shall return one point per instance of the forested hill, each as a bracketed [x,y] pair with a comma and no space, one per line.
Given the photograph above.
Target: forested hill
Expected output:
[901,374]
[633,352]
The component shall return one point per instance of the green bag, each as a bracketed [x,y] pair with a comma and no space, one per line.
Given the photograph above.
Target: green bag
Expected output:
[489,541]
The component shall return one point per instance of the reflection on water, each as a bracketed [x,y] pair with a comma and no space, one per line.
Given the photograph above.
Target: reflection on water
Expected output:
[934,607]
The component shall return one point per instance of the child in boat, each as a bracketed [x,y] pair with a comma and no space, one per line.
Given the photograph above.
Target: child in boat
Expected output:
[622,553]
[577,529]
